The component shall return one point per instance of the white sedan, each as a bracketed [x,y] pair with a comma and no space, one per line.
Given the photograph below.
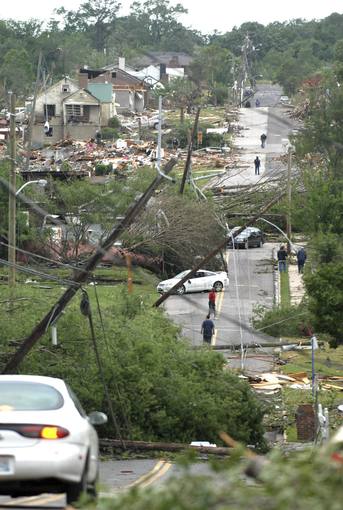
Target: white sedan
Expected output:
[47,443]
[202,280]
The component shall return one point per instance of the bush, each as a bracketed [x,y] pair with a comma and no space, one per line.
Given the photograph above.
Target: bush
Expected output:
[102,169]
[282,321]
[109,133]
[182,131]
[114,123]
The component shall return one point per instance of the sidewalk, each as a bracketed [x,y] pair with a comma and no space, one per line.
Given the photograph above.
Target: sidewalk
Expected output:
[296,284]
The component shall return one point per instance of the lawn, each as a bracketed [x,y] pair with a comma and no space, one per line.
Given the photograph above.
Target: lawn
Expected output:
[284,290]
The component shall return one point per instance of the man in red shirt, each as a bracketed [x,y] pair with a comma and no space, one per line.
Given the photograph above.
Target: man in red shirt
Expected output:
[212,303]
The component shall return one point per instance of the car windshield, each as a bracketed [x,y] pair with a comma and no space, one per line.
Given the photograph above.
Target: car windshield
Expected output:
[181,275]
[28,396]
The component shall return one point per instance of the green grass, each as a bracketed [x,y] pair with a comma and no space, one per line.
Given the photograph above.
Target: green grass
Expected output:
[284,290]
[327,361]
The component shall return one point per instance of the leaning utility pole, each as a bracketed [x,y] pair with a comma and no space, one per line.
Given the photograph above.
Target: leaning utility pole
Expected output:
[289,196]
[12,196]
[189,153]
[32,114]
[80,276]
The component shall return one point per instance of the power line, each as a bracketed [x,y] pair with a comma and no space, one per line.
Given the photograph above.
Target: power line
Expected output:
[34,272]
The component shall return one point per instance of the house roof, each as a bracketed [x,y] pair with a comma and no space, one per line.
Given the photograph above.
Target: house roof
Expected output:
[102,91]
[169,58]
[81,96]
[66,80]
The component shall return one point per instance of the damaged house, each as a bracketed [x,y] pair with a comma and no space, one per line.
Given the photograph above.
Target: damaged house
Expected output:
[131,93]
[65,110]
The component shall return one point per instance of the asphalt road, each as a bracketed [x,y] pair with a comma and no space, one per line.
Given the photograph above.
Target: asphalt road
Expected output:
[251,283]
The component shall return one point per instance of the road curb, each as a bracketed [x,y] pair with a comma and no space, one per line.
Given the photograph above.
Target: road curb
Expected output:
[276,280]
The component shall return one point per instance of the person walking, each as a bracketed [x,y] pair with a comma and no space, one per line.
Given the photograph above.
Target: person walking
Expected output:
[257,163]
[301,259]
[282,257]
[212,303]
[263,138]
[207,329]
[257,103]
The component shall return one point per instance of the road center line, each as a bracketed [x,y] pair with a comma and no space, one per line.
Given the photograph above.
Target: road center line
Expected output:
[220,303]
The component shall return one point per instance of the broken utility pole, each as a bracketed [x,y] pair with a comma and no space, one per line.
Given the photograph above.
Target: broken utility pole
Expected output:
[189,153]
[214,252]
[80,276]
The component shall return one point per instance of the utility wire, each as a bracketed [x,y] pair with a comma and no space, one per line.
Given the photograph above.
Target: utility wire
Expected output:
[120,397]
[34,272]
[86,310]
[31,254]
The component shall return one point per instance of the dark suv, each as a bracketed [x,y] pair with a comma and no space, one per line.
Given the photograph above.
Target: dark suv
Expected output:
[251,237]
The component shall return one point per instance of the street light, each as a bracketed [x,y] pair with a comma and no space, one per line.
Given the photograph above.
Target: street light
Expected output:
[12,227]
[41,182]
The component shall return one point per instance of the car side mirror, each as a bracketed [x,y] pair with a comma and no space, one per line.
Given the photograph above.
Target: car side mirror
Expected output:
[97,418]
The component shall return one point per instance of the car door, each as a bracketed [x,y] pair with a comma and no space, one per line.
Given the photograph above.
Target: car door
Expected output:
[197,282]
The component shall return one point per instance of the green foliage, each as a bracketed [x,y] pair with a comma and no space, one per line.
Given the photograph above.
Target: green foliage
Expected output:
[102,169]
[109,133]
[282,321]
[325,288]
[114,123]
[160,387]
[310,480]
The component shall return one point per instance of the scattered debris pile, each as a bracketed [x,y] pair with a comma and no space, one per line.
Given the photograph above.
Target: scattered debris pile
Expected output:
[270,383]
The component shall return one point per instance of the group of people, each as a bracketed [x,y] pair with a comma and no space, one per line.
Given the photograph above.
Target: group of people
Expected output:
[282,255]
[207,327]
[257,161]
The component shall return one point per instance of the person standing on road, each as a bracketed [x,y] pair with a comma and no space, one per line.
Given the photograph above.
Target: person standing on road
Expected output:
[282,257]
[301,259]
[212,303]
[207,329]
[257,103]
[257,163]
[263,138]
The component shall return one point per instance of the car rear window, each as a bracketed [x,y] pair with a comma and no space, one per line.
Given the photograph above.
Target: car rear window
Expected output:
[28,396]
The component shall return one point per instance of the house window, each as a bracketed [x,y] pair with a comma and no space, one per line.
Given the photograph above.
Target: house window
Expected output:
[74,110]
[65,88]
[77,113]
[50,110]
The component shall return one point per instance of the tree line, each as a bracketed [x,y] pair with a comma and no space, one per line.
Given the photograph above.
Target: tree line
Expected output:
[95,34]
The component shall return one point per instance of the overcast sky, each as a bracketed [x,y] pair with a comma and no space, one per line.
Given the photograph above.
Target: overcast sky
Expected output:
[203,15]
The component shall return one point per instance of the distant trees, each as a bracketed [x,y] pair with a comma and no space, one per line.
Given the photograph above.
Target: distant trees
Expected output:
[95,34]
[97,17]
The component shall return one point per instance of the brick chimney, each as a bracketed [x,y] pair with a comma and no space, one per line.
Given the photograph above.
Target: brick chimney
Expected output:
[83,79]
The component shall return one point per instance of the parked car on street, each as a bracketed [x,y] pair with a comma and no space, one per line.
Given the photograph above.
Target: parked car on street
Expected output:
[47,442]
[202,280]
[251,237]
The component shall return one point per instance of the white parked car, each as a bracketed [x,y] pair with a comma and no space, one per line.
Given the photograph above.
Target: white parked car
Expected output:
[47,443]
[202,280]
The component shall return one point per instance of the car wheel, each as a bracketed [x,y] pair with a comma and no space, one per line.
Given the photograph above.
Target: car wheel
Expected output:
[75,490]
[218,286]
[181,290]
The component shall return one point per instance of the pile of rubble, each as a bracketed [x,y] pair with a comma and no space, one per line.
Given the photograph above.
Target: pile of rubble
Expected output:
[273,382]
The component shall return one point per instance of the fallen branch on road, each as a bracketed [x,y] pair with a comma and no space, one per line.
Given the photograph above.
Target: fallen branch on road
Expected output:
[115,444]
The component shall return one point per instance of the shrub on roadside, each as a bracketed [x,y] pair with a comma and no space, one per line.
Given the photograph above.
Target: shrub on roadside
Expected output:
[161,388]
[282,321]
